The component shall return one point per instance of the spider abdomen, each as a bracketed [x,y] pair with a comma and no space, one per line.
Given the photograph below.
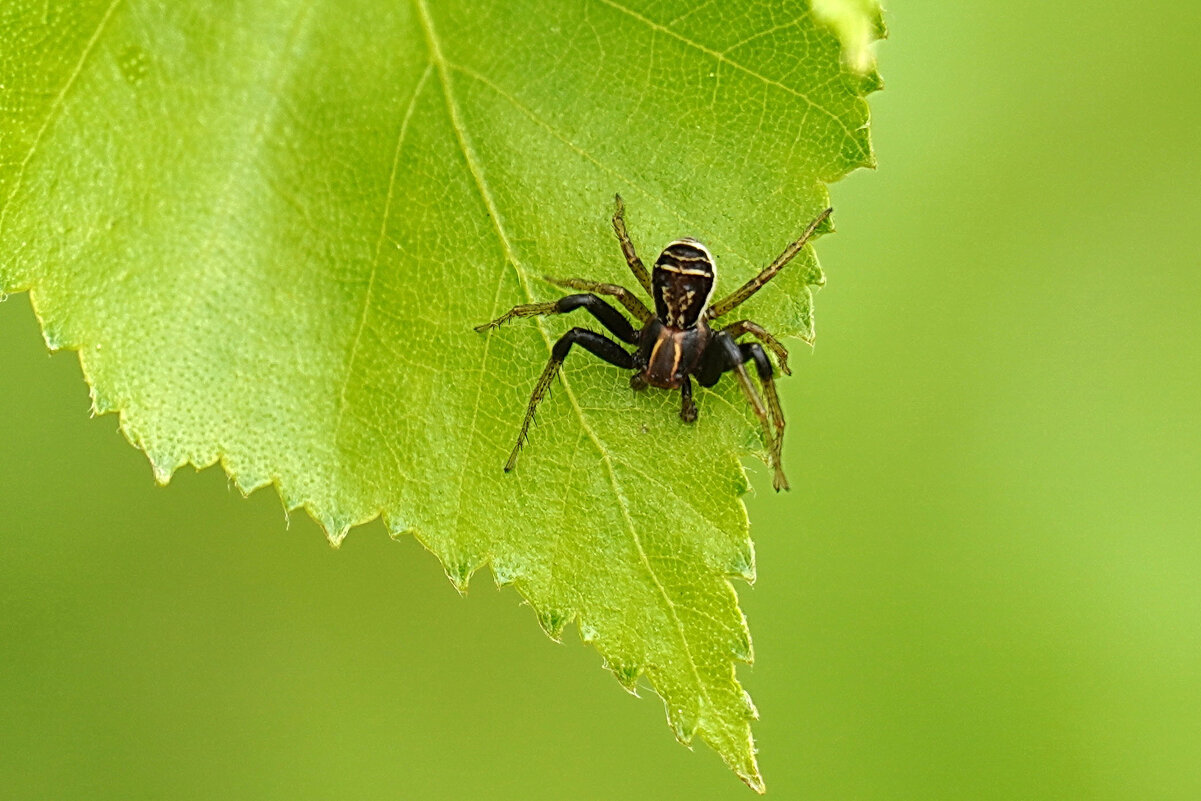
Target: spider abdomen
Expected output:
[682,283]
[669,354]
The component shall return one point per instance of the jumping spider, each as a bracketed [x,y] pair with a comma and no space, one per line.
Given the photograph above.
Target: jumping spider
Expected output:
[676,342]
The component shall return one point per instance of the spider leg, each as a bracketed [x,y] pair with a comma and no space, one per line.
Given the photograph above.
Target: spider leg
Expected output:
[622,295]
[754,352]
[725,355]
[591,341]
[741,327]
[738,296]
[687,405]
[608,316]
[627,247]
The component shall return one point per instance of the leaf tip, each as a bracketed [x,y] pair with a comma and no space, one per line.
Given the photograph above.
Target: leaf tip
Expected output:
[753,779]
[739,752]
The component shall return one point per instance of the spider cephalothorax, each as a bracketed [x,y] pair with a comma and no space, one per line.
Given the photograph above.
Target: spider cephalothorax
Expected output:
[677,341]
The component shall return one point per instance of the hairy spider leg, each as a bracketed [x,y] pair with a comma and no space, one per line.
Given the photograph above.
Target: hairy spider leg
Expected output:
[740,295]
[591,341]
[760,333]
[726,355]
[687,405]
[622,295]
[754,352]
[627,246]
[608,316]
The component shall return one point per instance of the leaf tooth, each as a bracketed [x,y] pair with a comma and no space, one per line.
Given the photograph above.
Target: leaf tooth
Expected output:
[290,498]
[162,463]
[553,621]
[101,404]
[162,473]
[743,649]
[53,337]
[336,526]
[684,724]
[752,711]
[588,632]
[742,565]
[626,674]
[247,478]
[504,574]
[459,574]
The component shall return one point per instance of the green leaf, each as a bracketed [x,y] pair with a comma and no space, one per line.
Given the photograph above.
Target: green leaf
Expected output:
[859,24]
[268,228]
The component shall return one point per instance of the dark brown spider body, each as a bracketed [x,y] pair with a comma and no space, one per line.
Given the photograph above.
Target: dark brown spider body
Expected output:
[676,342]
[668,355]
[682,283]
[671,344]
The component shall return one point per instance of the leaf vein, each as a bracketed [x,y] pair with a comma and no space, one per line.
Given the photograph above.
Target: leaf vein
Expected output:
[486,194]
[383,234]
[452,110]
[54,107]
[723,58]
[517,104]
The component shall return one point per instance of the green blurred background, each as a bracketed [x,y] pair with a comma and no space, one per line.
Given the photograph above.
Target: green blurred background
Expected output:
[985,584]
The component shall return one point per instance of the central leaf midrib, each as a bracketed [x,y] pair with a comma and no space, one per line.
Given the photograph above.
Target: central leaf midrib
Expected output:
[440,64]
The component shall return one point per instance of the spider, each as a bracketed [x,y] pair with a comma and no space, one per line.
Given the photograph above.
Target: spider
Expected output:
[676,341]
